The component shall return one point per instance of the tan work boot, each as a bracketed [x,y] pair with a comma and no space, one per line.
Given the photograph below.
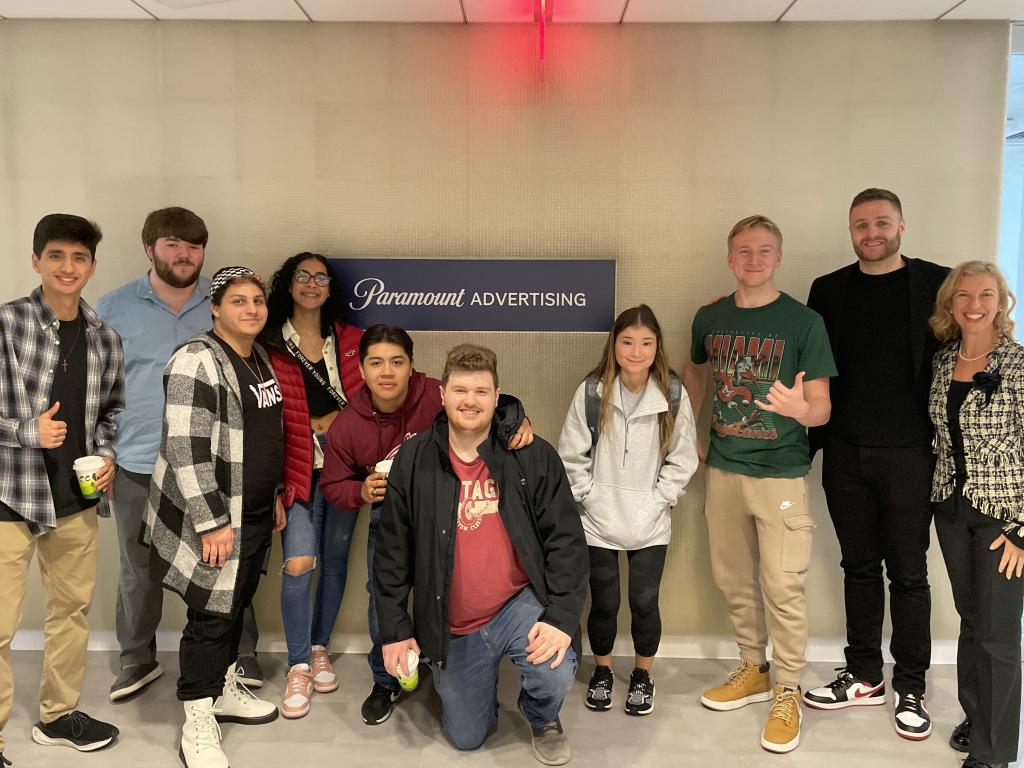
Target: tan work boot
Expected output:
[745,685]
[782,731]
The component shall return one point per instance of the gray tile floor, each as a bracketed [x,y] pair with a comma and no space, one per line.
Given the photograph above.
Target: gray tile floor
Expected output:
[679,733]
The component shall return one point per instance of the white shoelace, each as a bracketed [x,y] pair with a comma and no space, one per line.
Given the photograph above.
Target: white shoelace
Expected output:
[238,689]
[207,729]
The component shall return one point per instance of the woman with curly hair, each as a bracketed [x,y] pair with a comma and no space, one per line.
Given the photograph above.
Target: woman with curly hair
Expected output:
[314,355]
[977,406]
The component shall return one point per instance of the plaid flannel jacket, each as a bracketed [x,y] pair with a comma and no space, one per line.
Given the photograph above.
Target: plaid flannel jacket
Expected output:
[993,436]
[197,483]
[29,352]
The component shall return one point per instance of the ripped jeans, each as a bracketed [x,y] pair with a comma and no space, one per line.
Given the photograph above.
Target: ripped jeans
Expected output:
[318,530]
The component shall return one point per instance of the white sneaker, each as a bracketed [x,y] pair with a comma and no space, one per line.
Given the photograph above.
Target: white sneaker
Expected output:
[200,736]
[237,704]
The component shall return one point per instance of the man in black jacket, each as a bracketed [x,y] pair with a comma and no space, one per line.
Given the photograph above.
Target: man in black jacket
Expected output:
[491,544]
[877,457]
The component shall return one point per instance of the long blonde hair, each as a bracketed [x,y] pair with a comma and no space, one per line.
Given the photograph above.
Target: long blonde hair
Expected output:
[608,369]
[942,321]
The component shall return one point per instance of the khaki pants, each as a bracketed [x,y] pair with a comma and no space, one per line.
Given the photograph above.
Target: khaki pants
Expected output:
[759,535]
[67,564]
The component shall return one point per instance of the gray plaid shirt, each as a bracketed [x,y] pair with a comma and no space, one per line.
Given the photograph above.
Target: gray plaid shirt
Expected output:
[29,352]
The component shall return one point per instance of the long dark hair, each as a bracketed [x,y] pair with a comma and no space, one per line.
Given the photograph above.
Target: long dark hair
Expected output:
[608,369]
[280,304]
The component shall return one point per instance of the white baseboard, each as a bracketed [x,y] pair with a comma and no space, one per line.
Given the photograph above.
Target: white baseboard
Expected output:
[823,649]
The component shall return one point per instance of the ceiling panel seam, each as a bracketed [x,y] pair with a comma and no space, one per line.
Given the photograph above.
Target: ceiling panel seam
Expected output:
[462,7]
[787,10]
[955,6]
[304,12]
[145,10]
[622,16]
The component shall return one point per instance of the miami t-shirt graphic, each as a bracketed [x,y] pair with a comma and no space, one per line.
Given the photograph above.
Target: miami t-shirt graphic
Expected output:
[743,368]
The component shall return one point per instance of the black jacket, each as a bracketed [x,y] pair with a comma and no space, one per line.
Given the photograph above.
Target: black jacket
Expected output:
[416,542]
[828,299]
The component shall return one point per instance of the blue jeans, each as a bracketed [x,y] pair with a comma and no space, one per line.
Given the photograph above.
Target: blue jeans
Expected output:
[468,685]
[321,531]
[375,657]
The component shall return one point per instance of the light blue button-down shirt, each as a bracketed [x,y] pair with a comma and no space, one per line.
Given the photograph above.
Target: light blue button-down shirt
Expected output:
[150,331]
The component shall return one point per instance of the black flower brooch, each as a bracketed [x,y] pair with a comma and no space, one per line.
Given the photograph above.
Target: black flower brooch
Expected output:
[987,382]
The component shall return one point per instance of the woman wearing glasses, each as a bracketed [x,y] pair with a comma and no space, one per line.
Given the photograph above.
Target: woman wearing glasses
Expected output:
[315,358]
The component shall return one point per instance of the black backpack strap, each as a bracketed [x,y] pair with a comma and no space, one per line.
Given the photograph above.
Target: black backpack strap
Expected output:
[593,408]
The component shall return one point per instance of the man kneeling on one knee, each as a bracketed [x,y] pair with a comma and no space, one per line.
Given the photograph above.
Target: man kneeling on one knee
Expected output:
[491,544]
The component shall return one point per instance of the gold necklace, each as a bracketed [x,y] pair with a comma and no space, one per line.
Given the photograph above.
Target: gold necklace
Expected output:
[258,373]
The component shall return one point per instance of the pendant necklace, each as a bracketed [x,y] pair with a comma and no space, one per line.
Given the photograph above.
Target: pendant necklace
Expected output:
[74,344]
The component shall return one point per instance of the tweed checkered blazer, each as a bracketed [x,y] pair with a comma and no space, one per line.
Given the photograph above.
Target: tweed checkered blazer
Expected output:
[993,435]
[197,482]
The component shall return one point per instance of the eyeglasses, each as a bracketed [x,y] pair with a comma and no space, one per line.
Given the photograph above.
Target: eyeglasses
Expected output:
[320,278]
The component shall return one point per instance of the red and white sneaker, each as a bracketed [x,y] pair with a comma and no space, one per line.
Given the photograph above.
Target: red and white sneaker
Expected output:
[298,692]
[845,691]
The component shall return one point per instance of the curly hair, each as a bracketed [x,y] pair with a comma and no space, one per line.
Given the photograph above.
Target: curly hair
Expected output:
[280,304]
[945,326]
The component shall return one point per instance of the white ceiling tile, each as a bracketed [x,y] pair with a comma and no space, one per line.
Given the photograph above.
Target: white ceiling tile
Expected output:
[499,11]
[588,11]
[867,10]
[988,9]
[704,10]
[71,9]
[240,10]
[397,11]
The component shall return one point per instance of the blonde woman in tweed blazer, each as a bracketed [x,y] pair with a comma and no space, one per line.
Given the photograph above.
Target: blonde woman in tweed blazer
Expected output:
[977,407]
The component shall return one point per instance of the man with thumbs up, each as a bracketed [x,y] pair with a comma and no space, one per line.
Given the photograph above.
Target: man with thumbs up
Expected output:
[61,383]
[770,361]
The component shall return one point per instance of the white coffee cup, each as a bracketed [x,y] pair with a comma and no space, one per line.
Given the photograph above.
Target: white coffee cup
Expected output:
[85,469]
[384,467]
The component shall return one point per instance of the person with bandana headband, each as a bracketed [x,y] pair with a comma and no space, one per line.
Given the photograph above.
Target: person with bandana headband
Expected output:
[213,503]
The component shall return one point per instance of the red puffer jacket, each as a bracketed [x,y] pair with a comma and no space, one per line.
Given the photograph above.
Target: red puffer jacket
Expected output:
[298,441]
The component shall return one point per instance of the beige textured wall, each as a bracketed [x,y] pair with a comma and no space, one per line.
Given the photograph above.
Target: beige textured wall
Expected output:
[643,143]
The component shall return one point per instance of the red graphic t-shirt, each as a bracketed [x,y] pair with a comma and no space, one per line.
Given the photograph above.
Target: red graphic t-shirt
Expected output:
[487,569]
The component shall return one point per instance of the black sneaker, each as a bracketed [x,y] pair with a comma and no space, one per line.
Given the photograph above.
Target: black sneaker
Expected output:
[641,693]
[377,706]
[76,730]
[973,762]
[599,689]
[845,691]
[134,678]
[912,719]
[249,672]
[960,739]
[4,762]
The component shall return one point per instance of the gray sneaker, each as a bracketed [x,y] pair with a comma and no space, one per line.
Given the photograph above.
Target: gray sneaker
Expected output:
[550,744]
[134,678]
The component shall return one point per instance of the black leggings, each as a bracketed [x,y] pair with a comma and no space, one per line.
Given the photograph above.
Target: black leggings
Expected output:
[645,569]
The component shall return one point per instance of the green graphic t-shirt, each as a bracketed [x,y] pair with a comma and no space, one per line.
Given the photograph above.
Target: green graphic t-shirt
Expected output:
[749,349]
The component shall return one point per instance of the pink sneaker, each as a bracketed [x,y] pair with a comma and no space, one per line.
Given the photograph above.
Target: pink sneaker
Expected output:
[324,679]
[297,693]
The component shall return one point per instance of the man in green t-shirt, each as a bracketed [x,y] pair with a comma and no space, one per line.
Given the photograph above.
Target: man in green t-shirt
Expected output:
[769,359]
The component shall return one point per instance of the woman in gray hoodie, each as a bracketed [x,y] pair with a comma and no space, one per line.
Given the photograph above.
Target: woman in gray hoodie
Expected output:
[626,483]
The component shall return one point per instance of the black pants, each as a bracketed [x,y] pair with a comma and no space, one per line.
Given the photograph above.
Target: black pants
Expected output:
[878,499]
[988,652]
[209,642]
[645,569]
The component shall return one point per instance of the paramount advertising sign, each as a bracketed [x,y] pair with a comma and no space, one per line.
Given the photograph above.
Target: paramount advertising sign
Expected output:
[480,295]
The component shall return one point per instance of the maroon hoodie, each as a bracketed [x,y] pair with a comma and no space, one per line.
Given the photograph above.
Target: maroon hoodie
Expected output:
[360,437]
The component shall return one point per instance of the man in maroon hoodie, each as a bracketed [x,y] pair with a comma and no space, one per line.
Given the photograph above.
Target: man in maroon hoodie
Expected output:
[397,403]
